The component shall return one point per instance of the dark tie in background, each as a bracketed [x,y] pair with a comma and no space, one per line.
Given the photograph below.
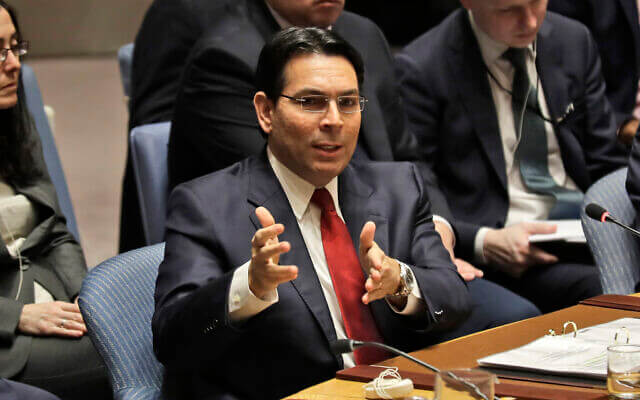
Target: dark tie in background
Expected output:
[532,149]
[348,280]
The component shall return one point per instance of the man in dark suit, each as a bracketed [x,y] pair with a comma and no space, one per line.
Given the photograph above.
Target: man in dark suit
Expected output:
[615,27]
[479,90]
[256,285]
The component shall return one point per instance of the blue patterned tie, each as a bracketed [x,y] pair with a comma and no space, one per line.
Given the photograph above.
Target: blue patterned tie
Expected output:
[532,149]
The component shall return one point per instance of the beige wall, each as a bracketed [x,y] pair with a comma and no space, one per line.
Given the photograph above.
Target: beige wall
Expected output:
[79,27]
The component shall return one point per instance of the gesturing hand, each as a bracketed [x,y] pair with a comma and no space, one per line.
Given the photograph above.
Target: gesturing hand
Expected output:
[509,247]
[264,272]
[384,272]
[55,318]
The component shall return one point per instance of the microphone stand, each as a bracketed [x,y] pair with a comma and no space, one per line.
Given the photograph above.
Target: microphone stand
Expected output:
[620,224]
[348,345]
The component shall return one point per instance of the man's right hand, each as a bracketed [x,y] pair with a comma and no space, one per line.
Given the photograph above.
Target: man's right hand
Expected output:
[510,250]
[264,272]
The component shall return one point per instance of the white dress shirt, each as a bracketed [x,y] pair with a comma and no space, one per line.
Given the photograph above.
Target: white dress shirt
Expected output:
[524,205]
[243,304]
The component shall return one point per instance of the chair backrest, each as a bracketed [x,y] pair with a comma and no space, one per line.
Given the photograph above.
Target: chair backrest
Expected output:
[116,300]
[616,251]
[51,157]
[148,144]
[125,57]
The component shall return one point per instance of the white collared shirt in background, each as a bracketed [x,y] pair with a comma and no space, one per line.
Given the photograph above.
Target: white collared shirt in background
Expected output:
[524,205]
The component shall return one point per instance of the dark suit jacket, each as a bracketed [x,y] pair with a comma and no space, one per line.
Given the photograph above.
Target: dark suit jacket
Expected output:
[615,28]
[449,103]
[168,32]
[214,122]
[53,258]
[285,347]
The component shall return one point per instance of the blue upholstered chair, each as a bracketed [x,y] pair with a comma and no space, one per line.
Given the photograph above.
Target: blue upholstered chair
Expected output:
[125,57]
[51,157]
[148,144]
[117,304]
[616,251]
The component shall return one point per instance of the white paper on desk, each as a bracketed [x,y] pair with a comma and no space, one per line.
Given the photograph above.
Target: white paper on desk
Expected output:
[569,230]
[584,355]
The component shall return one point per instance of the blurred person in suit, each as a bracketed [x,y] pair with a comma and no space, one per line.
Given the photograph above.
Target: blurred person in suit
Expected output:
[43,338]
[508,106]
[168,32]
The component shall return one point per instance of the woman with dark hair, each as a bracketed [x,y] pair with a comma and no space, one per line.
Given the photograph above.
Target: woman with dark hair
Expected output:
[42,333]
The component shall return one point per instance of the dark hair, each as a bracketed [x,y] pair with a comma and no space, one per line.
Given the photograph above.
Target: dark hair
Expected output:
[295,41]
[16,160]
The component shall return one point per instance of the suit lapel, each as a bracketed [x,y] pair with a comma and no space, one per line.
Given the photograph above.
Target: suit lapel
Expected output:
[473,86]
[357,207]
[265,190]
[630,9]
[551,72]
[561,96]
[359,204]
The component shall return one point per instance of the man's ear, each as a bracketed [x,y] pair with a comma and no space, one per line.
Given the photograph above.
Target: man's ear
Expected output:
[264,111]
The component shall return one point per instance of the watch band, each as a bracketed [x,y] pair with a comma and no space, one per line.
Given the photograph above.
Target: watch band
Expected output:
[406,281]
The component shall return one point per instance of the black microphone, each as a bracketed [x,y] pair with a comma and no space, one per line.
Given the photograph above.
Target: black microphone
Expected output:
[598,213]
[348,345]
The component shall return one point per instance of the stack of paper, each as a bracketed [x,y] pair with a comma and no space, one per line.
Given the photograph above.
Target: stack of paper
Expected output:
[569,230]
[584,355]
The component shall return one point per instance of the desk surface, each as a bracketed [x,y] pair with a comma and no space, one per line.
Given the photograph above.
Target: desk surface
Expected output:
[463,352]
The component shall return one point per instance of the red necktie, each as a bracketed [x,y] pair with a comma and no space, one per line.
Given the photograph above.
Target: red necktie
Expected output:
[348,280]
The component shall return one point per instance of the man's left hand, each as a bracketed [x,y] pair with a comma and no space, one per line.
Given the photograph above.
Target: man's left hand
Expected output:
[467,271]
[384,272]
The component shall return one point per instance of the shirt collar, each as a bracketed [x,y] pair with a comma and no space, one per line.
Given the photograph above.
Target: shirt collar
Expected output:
[283,23]
[491,49]
[297,190]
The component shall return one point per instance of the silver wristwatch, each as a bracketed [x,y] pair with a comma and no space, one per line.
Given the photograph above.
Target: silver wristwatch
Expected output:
[406,282]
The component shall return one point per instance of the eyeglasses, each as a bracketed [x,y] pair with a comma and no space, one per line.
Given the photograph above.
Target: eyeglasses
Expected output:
[318,103]
[18,50]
